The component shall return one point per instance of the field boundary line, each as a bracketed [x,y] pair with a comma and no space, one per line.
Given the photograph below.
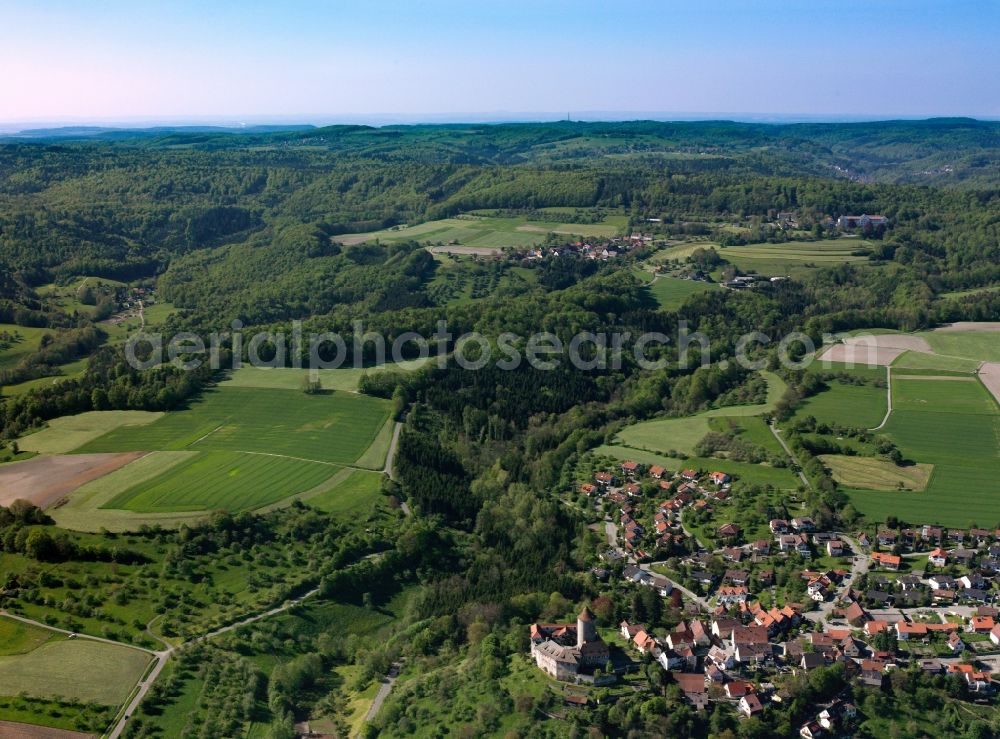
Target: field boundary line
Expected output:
[207,435]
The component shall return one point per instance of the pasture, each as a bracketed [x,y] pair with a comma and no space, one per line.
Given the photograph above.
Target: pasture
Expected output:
[956,427]
[672,292]
[74,668]
[912,360]
[331,427]
[976,345]
[20,342]
[17,637]
[222,480]
[488,231]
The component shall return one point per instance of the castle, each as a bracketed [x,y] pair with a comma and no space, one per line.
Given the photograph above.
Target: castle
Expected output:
[569,652]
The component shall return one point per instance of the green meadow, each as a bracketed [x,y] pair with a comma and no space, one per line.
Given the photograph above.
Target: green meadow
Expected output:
[794,257]
[672,292]
[955,426]
[978,345]
[336,427]
[844,404]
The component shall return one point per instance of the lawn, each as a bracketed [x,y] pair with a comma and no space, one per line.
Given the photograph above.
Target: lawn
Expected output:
[330,427]
[17,637]
[74,668]
[65,434]
[231,481]
[876,474]
[672,292]
[956,427]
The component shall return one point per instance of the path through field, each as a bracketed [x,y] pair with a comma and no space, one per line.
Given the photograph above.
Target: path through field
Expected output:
[989,375]
[888,407]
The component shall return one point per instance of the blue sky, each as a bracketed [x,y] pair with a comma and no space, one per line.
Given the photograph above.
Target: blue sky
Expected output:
[435,59]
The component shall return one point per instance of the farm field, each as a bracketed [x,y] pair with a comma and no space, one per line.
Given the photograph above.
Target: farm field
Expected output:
[337,427]
[67,668]
[17,637]
[286,378]
[844,404]
[794,256]
[222,480]
[956,427]
[25,340]
[63,435]
[858,472]
[977,345]
[671,292]
[489,231]
[923,361]
[45,480]
[752,429]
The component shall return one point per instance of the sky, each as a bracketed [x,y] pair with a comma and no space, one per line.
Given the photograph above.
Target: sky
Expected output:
[222,61]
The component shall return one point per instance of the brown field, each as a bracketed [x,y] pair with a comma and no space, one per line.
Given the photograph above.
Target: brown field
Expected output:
[970,326]
[879,350]
[45,480]
[14,730]
[989,375]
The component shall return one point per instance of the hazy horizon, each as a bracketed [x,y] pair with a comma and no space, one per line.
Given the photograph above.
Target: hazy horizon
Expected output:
[444,60]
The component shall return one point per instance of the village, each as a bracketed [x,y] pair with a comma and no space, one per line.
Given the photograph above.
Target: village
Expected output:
[898,598]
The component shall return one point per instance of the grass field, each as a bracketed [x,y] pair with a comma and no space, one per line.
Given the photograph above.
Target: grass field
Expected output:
[17,637]
[337,427]
[956,427]
[25,341]
[344,379]
[65,434]
[752,429]
[490,232]
[924,361]
[222,480]
[794,256]
[877,474]
[978,345]
[671,292]
[74,668]
[861,406]
[662,435]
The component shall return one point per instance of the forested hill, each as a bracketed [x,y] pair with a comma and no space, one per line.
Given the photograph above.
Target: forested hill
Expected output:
[941,151]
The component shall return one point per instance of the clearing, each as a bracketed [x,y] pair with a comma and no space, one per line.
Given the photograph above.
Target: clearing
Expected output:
[672,292]
[285,378]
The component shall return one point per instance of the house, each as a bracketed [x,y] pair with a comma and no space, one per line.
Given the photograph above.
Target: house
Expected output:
[633,489]
[942,582]
[748,635]
[931,533]
[887,561]
[995,635]
[721,658]
[604,479]
[812,660]
[718,478]
[750,705]
[838,712]
[982,624]
[761,547]
[629,468]
[871,673]
[862,221]
[973,581]
[803,523]
[834,548]
[689,474]
[907,629]
[955,643]
[963,556]
[736,577]
[938,557]
[588,489]
[753,654]
[729,531]
[778,526]
[910,582]
[691,684]
[811,730]
[644,642]
[874,627]
[656,472]
[886,538]
[730,595]
[737,688]
[855,615]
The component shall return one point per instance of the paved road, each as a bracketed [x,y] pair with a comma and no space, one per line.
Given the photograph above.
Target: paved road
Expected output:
[702,602]
[888,411]
[859,566]
[383,691]
[795,461]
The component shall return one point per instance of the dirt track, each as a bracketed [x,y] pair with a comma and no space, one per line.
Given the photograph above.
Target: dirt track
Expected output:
[13,730]
[989,374]
[45,480]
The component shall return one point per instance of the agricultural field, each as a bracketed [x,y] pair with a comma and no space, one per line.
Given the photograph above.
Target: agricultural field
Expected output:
[337,427]
[64,435]
[794,257]
[912,360]
[66,668]
[970,344]
[844,404]
[671,292]
[230,481]
[953,425]
[285,378]
[23,340]
[877,474]
[487,231]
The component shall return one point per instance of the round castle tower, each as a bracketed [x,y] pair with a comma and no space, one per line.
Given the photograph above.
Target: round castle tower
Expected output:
[586,628]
